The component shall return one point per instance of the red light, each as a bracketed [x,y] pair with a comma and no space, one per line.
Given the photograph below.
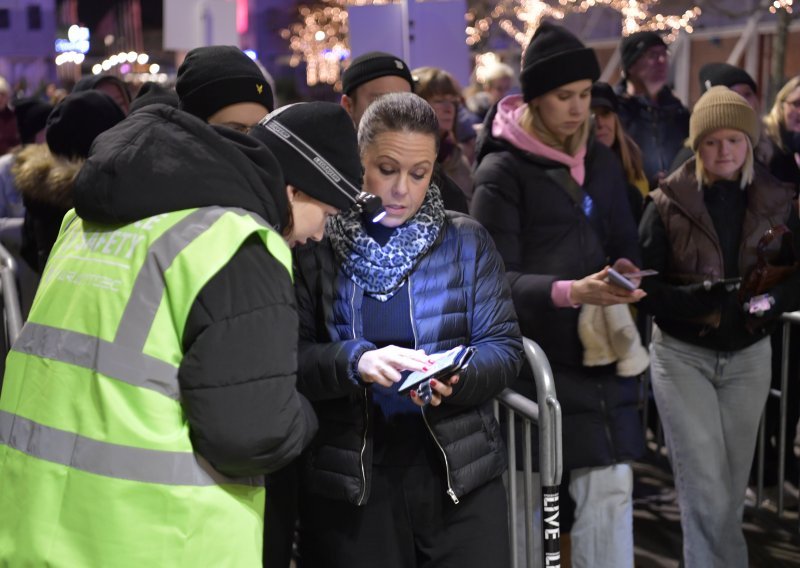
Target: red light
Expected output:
[242,16]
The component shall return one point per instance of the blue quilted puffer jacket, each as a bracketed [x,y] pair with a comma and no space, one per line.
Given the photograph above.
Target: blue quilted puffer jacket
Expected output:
[458,296]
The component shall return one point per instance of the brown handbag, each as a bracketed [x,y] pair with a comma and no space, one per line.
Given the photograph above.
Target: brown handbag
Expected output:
[770,269]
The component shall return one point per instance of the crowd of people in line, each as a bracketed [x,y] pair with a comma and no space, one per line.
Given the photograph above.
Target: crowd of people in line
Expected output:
[229,294]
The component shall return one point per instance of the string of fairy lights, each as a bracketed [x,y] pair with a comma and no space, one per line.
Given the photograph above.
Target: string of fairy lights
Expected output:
[320,36]
[781,5]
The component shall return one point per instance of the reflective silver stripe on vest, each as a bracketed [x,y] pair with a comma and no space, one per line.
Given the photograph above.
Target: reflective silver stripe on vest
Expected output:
[110,359]
[111,460]
[147,291]
[123,359]
[138,316]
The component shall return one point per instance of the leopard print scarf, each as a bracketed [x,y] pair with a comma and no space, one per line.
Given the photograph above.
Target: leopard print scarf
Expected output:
[381,271]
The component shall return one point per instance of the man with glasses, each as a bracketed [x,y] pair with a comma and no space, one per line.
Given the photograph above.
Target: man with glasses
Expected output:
[656,120]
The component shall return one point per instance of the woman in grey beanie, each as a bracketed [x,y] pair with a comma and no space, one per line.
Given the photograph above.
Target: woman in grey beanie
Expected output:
[708,226]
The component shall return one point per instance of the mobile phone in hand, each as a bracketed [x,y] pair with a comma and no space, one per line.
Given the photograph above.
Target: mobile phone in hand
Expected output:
[619,280]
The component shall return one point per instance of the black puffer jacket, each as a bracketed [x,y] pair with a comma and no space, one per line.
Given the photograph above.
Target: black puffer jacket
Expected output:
[659,129]
[237,376]
[543,236]
[458,297]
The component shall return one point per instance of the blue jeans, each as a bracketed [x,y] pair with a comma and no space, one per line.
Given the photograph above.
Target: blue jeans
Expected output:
[710,403]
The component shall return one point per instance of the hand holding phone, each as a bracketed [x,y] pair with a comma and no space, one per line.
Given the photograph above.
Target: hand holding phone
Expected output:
[451,363]
[619,280]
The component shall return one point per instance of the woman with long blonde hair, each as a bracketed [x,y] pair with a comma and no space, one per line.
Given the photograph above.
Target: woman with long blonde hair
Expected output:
[782,126]
[554,201]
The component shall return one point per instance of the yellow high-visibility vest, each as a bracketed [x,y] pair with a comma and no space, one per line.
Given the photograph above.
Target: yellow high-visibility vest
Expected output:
[96,464]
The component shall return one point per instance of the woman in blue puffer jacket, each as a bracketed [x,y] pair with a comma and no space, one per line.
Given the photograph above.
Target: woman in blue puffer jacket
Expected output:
[390,481]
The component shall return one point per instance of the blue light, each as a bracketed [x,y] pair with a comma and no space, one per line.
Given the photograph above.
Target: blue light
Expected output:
[251,54]
[379,216]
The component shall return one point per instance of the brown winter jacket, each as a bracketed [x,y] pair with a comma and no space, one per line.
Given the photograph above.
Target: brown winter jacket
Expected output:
[45,183]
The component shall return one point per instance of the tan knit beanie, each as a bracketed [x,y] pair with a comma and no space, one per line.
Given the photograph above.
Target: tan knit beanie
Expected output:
[719,108]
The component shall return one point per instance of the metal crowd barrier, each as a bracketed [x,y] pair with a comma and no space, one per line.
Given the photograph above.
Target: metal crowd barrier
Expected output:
[547,414]
[12,318]
[789,319]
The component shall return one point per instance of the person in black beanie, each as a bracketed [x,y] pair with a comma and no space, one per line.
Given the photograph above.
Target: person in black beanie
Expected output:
[154,93]
[375,74]
[32,116]
[316,145]
[108,84]
[371,75]
[222,85]
[735,78]
[46,176]
[172,267]
[656,120]
[554,201]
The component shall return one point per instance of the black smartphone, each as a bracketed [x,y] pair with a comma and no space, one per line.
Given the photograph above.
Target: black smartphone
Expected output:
[450,364]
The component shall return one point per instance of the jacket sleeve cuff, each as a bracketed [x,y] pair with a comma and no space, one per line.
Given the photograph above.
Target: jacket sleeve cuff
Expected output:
[559,294]
[355,376]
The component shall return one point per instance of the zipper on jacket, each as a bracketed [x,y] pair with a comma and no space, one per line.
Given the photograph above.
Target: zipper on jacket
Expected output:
[363,449]
[366,410]
[450,491]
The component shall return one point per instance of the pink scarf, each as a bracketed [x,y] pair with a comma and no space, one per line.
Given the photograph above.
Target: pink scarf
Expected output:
[506,127]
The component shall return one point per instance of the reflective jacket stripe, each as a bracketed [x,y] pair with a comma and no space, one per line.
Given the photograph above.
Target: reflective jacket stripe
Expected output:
[110,359]
[110,460]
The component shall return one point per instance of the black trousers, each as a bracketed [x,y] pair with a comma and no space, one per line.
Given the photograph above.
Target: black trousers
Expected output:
[408,522]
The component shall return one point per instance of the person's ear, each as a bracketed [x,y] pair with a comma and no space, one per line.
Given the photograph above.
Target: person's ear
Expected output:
[347,104]
[291,191]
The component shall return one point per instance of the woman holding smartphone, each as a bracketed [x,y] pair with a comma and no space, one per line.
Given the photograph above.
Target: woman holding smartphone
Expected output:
[554,202]
[710,357]
[390,481]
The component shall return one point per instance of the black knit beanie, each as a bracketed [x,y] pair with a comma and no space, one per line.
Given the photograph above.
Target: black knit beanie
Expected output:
[152,93]
[374,65]
[211,78]
[603,96]
[77,120]
[633,47]
[31,115]
[92,82]
[555,57]
[713,74]
[317,148]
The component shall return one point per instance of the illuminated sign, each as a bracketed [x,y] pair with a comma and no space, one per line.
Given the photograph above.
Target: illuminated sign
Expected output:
[78,40]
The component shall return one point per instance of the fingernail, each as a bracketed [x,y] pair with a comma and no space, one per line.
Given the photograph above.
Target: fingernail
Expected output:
[424,368]
[454,381]
[434,382]
[413,394]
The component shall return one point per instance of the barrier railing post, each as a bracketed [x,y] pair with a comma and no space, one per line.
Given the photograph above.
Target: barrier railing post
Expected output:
[12,313]
[550,457]
[547,414]
[782,426]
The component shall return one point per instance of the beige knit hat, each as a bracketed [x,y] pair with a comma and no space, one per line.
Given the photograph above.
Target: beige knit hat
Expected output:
[719,108]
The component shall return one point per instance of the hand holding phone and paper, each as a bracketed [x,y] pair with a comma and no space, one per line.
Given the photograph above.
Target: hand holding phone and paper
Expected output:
[448,364]
[438,371]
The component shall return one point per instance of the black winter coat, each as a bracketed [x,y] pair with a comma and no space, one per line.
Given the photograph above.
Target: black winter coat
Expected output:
[458,297]
[544,236]
[238,372]
[660,129]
